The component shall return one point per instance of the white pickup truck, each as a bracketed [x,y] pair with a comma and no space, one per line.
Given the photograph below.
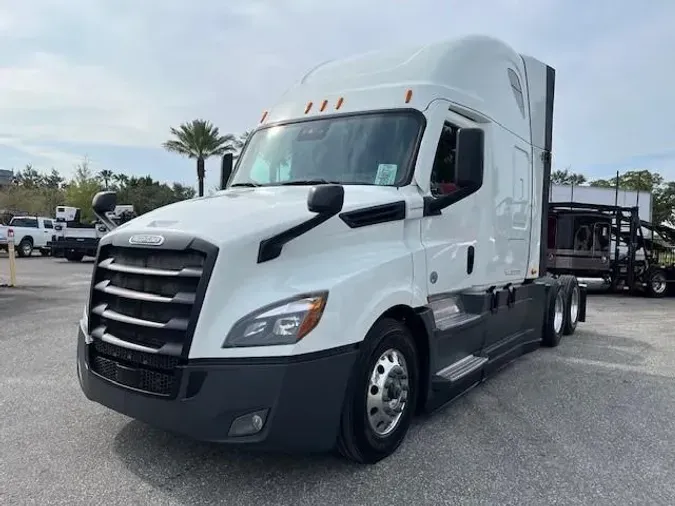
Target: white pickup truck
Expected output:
[30,233]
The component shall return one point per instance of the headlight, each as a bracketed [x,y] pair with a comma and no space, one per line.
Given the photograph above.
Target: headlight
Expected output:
[285,322]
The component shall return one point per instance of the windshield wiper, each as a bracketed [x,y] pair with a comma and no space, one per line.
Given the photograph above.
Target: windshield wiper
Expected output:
[300,182]
[246,185]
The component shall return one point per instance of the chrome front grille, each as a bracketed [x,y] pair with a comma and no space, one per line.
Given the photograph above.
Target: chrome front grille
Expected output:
[145,303]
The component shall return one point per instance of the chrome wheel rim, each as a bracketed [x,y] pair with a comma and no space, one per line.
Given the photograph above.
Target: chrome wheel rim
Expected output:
[26,249]
[658,283]
[558,312]
[387,394]
[574,305]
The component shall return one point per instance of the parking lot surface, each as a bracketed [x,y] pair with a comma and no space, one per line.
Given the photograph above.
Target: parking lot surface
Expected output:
[590,422]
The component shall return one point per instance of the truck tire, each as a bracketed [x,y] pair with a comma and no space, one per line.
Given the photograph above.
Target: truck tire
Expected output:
[74,256]
[45,252]
[381,396]
[554,318]
[25,248]
[570,285]
[657,283]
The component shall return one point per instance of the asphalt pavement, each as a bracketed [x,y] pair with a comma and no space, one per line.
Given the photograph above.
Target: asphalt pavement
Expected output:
[590,422]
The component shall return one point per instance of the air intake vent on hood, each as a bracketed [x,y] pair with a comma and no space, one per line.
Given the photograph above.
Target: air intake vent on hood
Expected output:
[374,215]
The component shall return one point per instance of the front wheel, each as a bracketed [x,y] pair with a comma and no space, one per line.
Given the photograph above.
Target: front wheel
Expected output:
[382,394]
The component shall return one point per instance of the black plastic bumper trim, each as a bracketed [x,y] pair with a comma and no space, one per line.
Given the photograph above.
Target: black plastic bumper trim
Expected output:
[304,396]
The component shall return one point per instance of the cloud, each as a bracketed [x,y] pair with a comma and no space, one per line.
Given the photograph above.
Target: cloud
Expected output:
[82,77]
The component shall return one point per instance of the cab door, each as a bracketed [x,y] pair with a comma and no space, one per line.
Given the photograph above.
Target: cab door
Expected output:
[450,235]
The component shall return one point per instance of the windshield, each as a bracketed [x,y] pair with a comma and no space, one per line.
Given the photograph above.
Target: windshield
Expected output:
[373,149]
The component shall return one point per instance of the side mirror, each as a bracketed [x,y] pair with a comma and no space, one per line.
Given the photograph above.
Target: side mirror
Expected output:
[470,157]
[102,204]
[326,199]
[226,169]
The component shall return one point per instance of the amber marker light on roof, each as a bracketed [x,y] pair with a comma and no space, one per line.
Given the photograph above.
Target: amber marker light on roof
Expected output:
[323,105]
[309,106]
[408,96]
[263,117]
[339,103]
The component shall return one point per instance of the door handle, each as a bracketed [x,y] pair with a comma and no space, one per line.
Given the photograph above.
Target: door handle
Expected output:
[470,254]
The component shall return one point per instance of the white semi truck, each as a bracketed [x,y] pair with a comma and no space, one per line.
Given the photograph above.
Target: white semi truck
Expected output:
[378,250]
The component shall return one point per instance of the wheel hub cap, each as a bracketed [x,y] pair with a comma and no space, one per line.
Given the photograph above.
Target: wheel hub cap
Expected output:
[387,394]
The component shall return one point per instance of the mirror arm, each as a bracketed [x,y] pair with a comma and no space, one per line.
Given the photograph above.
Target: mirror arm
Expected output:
[434,205]
[111,225]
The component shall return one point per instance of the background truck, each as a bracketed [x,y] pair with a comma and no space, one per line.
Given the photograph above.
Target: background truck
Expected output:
[379,249]
[74,240]
[30,233]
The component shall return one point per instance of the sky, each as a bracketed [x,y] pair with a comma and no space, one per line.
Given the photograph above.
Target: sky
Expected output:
[106,79]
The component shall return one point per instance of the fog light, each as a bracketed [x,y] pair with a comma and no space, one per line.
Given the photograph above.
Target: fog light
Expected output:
[248,424]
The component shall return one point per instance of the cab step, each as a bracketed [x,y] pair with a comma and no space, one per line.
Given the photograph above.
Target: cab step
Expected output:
[461,368]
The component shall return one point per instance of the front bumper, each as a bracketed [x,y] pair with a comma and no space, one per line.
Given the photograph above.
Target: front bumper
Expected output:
[301,398]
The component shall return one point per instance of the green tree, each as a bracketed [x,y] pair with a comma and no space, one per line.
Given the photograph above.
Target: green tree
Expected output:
[81,190]
[53,180]
[564,176]
[146,194]
[199,139]
[240,141]
[28,177]
[106,176]
[663,193]
[120,180]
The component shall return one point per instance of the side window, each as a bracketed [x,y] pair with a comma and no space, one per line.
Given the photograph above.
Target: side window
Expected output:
[517,90]
[48,224]
[443,171]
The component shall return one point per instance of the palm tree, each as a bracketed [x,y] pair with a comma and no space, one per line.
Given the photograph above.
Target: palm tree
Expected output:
[240,141]
[199,139]
[106,175]
[121,180]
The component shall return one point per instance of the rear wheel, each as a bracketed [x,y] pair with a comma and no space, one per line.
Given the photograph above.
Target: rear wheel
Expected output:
[657,284]
[25,248]
[74,256]
[382,394]
[555,316]
[572,303]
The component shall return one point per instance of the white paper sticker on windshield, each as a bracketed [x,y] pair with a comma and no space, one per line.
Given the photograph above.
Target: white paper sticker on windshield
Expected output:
[386,173]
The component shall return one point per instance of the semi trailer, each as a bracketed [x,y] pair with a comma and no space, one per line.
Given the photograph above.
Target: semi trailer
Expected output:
[378,250]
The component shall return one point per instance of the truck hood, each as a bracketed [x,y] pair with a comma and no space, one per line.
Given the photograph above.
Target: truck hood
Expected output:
[239,213]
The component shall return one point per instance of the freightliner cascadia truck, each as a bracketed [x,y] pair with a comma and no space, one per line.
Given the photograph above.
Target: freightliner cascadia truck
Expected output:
[377,250]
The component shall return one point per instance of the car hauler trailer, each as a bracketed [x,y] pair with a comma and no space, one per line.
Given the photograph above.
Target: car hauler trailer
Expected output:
[609,242]
[379,250]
